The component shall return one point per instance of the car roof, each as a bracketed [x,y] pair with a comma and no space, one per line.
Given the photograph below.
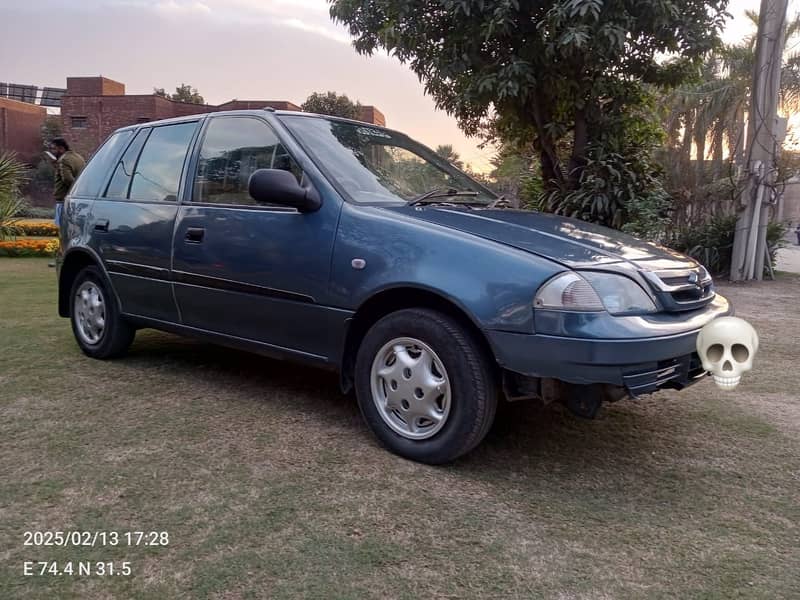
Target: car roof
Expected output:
[253,112]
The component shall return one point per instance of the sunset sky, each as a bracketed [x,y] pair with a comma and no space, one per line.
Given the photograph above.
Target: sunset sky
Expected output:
[246,49]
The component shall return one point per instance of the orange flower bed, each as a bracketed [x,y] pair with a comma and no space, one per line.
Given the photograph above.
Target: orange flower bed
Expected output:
[28,247]
[37,228]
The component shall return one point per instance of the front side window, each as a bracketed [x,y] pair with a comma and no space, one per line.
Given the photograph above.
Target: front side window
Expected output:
[96,171]
[232,149]
[377,165]
[158,172]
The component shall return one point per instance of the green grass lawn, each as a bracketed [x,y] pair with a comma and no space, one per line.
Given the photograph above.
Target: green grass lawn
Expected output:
[270,486]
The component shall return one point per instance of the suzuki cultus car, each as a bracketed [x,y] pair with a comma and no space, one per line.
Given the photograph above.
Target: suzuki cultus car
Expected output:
[352,247]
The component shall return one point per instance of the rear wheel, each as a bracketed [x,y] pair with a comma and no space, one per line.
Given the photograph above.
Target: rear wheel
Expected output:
[425,386]
[99,329]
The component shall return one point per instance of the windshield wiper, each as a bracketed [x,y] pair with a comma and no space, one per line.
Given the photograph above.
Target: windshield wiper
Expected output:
[430,197]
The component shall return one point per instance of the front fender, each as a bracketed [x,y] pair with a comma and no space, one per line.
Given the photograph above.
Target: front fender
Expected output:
[492,283]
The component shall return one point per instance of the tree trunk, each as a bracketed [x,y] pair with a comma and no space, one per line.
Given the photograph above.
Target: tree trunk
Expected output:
[700,143]
[717,150]
[578,158]
[686,146]
[552,173]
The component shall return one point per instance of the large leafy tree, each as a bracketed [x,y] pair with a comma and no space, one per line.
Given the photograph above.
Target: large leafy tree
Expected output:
[331,103]
[564,78]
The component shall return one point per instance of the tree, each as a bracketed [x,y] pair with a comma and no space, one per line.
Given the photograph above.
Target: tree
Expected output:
[183,93]
[447,152]
[331,103]
[705,120]
[565,77]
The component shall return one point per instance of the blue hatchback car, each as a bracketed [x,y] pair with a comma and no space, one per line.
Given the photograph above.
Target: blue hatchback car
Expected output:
[353,247]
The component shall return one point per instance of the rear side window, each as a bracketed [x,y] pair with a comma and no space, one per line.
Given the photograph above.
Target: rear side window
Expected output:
[94,175]
[233,148]
[158,172]
[121,180]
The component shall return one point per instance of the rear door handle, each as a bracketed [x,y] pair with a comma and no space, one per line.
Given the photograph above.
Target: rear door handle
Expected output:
[101,225]
[194,235]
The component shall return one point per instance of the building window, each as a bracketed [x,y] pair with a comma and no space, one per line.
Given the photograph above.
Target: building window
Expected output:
[143,120]
[80,122]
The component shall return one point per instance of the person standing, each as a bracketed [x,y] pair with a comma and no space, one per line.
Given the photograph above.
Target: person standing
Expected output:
[68,166]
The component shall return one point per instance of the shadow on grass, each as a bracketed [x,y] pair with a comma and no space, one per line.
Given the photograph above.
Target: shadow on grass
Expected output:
[523,433]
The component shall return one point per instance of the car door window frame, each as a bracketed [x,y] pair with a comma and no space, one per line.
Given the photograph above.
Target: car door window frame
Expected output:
[186,197]
[182,177]
[190,148]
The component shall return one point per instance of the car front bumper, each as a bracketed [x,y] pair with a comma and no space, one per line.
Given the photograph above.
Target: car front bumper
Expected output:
[639,365]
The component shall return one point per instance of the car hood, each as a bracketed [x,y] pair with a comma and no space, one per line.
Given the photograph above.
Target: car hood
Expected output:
[570,242]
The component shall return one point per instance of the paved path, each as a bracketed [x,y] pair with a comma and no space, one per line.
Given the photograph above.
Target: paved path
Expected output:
[789,259]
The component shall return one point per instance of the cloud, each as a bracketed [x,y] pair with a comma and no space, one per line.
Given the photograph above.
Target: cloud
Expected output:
[171,7]
[330,33]
[310,16]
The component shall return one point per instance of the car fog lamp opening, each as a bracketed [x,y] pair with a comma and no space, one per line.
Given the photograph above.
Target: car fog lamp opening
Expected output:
[568,291]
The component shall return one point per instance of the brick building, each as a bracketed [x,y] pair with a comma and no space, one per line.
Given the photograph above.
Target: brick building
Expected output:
[21,129]
[93,107]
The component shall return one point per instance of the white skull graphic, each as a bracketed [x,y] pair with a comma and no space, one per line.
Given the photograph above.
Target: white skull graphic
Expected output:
[726,347]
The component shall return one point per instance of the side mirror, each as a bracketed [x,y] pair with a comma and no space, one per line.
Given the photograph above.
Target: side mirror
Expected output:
[276,186]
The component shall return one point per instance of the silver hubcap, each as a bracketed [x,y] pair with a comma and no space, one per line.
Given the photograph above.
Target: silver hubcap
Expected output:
[410,388]
[90,313]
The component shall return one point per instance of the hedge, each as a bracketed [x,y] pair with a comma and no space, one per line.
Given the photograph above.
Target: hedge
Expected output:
[28,247]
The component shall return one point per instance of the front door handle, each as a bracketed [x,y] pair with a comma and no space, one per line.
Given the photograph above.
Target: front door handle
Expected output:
[101,225]
[194,235]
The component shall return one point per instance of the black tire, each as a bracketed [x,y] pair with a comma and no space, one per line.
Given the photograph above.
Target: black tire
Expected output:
[473,386]
[117,334]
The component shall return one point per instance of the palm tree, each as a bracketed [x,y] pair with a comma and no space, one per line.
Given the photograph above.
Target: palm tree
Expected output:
[12,177]
[709,116]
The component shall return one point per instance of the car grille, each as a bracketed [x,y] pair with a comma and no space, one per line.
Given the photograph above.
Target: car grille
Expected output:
[682,289]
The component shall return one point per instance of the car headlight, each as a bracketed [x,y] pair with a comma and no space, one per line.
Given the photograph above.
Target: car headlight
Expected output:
[594,291]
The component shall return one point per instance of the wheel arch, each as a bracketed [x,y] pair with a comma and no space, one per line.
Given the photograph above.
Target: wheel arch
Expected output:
[75,260]
[390,300]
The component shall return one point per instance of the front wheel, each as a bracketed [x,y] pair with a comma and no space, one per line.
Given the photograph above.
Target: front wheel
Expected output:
[425,385]
[99,329]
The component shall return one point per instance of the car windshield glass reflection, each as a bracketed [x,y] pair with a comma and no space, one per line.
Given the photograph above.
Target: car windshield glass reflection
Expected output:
[377,165]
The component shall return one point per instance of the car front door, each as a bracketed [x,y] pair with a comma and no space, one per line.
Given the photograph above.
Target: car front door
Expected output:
[247,270]
[135,216]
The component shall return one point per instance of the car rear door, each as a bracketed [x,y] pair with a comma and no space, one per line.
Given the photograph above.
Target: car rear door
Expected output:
[252,271]
[135,216]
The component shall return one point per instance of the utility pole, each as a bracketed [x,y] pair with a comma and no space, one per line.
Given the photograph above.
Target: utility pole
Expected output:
[749,246]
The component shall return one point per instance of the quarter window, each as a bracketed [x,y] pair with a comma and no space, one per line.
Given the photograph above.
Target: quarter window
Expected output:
[96,172]
[158,172]
[233,148]
[120,182]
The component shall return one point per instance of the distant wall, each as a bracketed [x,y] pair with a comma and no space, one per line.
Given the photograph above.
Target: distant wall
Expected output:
[791,204]
[94,107]
[21,129]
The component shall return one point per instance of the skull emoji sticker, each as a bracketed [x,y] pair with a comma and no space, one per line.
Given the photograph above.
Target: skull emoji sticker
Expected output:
[726,347]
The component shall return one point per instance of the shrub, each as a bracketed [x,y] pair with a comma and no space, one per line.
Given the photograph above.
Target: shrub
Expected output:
[712,243]
[29,247]
[37,228]
[36,212]
[12,176]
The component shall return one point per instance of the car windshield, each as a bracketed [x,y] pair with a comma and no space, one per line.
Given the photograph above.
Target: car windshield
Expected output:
[376,165]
